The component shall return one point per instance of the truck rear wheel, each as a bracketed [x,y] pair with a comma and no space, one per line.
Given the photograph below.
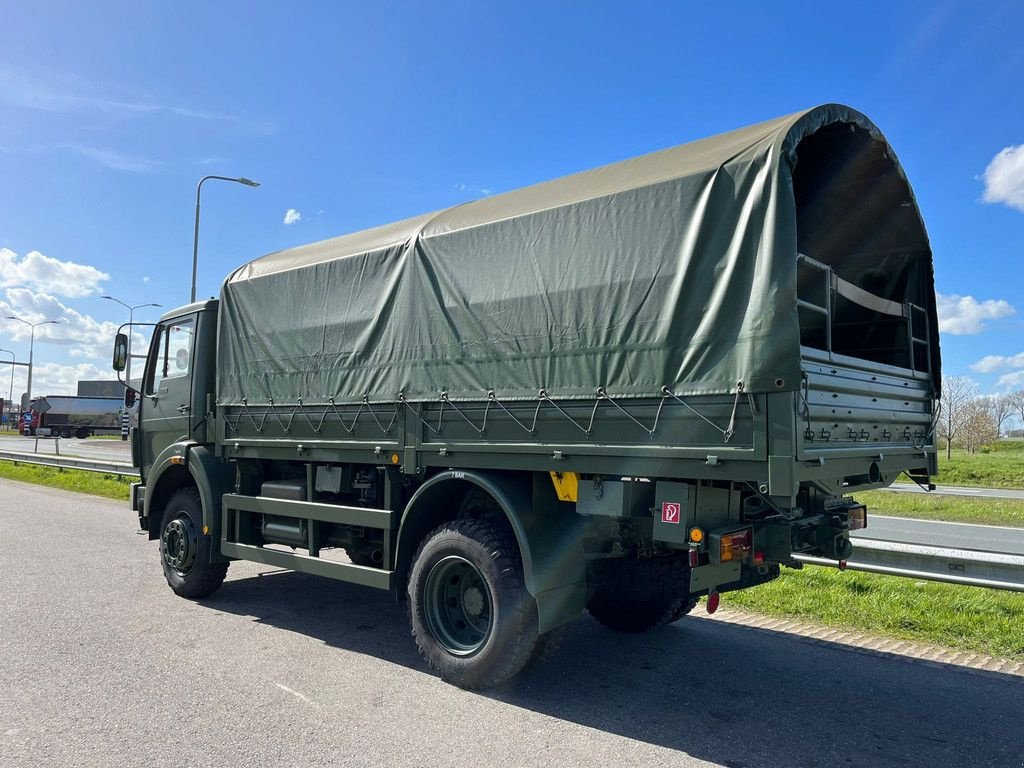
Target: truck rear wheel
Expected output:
[638,595]
[185,550]
[472,617]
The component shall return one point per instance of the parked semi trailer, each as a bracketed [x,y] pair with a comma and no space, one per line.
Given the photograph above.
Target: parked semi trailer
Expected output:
[69,416]
[617,391]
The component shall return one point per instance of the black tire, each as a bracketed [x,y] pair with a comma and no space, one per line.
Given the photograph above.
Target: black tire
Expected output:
[185,550]
[82,434]
[639,595]
[499,629]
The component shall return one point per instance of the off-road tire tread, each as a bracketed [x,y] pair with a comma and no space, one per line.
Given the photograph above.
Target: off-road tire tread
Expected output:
[205,577]
[520,626]
[637,596]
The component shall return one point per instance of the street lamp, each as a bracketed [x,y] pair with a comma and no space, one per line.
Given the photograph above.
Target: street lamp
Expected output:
[195,237]
[10,395]
[131,312]
[31,345]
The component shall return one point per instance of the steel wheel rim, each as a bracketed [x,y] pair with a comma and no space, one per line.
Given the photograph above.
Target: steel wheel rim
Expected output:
[179,543]
[457,605]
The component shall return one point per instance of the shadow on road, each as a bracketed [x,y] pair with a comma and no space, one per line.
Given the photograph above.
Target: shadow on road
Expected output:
[730,695]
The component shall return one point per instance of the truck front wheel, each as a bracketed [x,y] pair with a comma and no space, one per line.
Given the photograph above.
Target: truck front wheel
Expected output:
[472,617]
[185,550]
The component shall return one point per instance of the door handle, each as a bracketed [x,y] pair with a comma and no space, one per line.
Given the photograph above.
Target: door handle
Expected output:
[183,409]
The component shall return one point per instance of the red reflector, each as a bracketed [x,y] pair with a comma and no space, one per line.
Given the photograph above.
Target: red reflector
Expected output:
[713,600]
[759,558]
[842,565]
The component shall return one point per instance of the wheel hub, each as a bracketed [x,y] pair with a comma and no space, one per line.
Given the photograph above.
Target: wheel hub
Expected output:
[457,605]
[179,544]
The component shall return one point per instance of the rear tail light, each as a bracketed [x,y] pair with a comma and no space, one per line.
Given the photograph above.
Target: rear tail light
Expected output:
[858,517]
[737,545]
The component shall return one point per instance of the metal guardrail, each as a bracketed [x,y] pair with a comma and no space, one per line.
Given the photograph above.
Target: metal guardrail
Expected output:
[71,462]
[994,570]
[974,568]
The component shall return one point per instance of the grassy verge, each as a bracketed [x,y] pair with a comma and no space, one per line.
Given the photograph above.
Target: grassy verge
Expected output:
[957,509]
[96,483]
[1000,465]
[965,618]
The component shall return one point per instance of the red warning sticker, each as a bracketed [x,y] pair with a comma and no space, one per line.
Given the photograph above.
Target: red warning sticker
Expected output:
[670,512]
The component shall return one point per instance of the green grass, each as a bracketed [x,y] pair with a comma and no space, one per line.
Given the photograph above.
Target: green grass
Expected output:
[957,509]
[1000,465]
[96,483]
[965,618]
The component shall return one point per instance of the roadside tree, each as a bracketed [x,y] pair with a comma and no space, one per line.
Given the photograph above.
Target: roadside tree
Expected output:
[957,393]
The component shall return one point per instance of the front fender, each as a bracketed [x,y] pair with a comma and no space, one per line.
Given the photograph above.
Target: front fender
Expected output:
[212,477]
[550,536]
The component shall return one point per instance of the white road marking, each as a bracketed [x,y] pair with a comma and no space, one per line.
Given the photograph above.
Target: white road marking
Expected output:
[296,694]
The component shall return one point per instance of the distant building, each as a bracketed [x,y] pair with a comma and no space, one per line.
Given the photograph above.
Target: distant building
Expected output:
[100,388]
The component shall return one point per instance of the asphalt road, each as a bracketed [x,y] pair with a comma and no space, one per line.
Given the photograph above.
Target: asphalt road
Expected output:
[982,538]
[101,665]
[100,450]
[953,490]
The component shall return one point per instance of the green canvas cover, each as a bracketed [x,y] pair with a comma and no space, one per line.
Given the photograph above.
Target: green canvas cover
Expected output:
[675,269]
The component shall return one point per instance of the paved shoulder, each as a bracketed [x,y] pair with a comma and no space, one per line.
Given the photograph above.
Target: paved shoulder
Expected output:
[104,666]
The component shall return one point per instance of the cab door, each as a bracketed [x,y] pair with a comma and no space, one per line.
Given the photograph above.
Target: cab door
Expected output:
[165,413]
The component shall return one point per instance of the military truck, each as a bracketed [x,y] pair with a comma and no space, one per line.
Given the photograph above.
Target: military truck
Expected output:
[613,392]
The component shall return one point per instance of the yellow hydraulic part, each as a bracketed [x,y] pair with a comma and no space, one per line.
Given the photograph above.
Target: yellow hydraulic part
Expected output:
[567,485]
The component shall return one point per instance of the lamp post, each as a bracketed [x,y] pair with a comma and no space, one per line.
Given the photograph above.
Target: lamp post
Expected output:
[10,395]
[195,236]
[32,344]
[131,313]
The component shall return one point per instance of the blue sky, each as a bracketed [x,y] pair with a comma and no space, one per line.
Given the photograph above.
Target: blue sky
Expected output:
[354,116]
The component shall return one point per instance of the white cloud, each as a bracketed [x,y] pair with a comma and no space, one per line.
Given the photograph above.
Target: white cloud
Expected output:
[57,379]
[991,363]
[291,216]
[63,278]
[84,336]
[1004,178]
[965,315]
[1013,380]
[145,279]
[485,191]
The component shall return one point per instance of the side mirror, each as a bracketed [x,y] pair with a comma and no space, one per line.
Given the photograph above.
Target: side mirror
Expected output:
[120,352]
[129,397]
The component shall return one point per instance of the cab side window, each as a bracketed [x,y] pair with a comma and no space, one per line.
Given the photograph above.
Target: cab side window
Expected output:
[173,354]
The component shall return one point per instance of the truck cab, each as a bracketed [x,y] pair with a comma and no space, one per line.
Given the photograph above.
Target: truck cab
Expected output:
[174,393]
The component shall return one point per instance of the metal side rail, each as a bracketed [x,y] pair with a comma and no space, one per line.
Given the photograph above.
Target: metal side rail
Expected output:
[954,553]
[71,462]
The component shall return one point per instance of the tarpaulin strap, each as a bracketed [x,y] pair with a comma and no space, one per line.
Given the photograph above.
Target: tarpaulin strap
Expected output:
[603,395]
[341,417]
[543,397]
[731,429]
[728,432]
[436,430]
[394,417]
[491,398]
[285,427]
[316,429]
[804,408]
[247,412]
[867,299]
[465,418]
